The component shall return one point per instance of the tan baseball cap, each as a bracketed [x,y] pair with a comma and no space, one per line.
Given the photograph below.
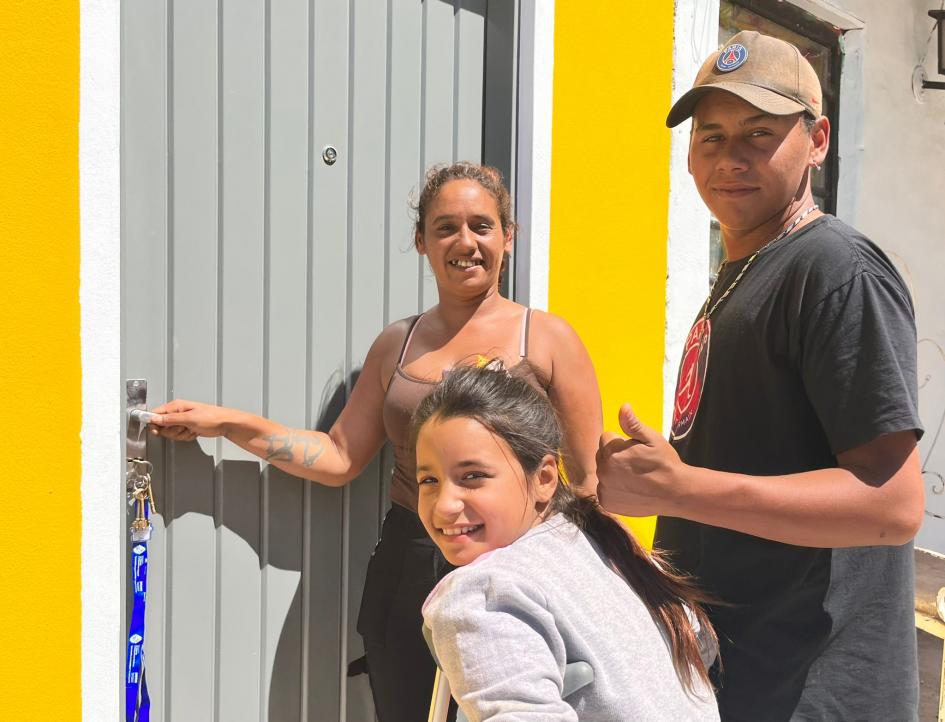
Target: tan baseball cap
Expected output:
[767,72]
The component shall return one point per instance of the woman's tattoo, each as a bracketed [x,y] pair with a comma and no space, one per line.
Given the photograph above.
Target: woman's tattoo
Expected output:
[312,448]
[281,447]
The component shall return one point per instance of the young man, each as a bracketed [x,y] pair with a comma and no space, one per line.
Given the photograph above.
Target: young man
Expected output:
[791,486]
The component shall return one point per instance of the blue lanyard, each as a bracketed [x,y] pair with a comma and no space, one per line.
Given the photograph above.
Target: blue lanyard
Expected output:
[137,701]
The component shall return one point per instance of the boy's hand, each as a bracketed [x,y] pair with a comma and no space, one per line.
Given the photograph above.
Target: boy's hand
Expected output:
[639,476]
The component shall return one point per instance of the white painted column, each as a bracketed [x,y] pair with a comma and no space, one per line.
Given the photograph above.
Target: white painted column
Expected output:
[99,296]
[533,163]
[695,35]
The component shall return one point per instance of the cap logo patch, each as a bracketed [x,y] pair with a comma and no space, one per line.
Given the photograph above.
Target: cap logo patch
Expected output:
[734,56]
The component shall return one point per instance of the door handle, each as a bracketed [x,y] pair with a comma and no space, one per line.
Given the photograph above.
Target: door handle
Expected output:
[137,467]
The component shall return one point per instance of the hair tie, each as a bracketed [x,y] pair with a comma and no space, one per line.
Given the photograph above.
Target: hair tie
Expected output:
[495,364]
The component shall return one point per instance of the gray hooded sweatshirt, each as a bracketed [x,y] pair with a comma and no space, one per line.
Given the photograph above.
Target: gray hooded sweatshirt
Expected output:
[505,626]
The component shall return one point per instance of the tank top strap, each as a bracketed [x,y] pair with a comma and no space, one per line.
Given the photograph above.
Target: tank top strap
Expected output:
[523,344]
[403,350]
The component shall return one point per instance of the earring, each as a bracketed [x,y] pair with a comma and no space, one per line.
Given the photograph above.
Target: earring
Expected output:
[815,165]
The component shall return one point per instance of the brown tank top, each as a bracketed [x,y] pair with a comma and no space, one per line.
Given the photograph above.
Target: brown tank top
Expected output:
[404,394]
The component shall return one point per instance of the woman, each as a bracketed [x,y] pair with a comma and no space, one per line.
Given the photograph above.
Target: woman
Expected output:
[464,228]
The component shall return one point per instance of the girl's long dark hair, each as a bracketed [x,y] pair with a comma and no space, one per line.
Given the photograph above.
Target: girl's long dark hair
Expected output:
[524,418]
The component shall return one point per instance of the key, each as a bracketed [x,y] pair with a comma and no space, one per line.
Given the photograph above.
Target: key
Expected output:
[150,494]
[140,527]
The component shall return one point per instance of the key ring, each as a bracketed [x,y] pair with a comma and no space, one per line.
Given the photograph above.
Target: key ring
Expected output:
[142,467]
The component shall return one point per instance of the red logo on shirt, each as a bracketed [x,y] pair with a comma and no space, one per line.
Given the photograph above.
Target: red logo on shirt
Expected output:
[691,378]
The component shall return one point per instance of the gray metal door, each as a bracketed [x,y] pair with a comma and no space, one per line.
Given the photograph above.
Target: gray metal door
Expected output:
[256,275]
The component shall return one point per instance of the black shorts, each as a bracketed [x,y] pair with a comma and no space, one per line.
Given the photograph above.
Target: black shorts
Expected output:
[403,570]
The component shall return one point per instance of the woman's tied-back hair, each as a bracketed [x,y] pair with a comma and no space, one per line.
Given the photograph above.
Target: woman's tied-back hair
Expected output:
[488,177]
[516,412]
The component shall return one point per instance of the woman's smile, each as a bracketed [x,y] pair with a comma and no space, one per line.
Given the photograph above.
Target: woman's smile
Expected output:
[466,263]
[463,237]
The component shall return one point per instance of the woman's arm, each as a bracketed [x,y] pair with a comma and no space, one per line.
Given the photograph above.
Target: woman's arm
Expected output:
[575,395]
[332,458]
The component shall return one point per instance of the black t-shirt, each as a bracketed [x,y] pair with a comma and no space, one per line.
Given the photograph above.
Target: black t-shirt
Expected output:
[813,353]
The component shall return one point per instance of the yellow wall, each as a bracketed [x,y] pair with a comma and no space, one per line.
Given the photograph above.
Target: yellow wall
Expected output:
[40,375]
[609,194]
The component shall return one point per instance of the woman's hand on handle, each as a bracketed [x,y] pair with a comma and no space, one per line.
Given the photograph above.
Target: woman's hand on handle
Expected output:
[182,420]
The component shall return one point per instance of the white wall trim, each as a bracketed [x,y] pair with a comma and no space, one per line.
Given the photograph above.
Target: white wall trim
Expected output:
[852,102]
[850,143]
[829,13]
[533,150]
[695,35]
[99,297]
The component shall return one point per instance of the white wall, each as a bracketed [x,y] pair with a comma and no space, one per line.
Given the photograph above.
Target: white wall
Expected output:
[696,34]
[892,188]
[533,182]
[99,295]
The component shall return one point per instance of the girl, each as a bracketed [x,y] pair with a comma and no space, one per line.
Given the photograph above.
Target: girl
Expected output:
[464,228]
[546,577]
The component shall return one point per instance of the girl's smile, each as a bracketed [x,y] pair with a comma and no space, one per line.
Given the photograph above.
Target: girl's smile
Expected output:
[474,495]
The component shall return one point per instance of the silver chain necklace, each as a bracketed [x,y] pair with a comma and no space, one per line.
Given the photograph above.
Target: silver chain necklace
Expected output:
[694,366]
[706,313]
